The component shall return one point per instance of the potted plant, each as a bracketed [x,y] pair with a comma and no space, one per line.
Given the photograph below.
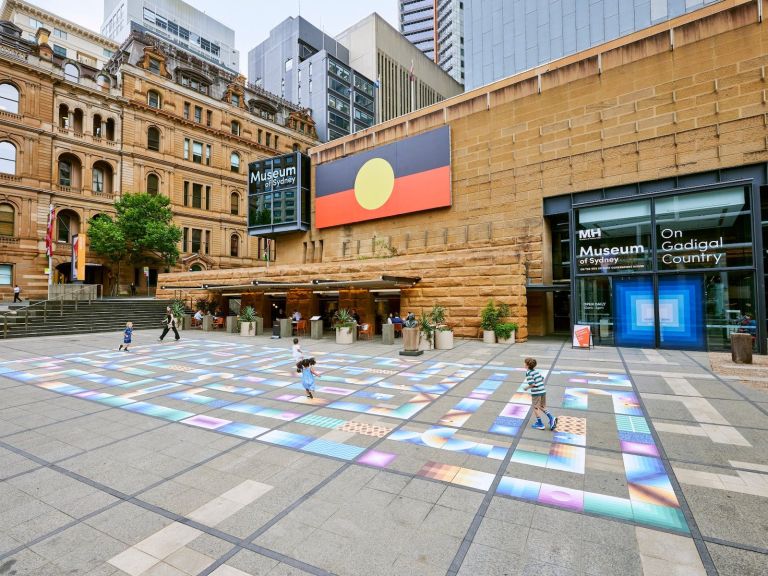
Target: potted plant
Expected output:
[505,332]
[411,333]
[247,321]
[490,316]
[344,323]
[443,332]
[426,330]
[178,311]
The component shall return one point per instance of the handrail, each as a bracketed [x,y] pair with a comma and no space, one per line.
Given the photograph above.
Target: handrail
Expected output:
[44,304]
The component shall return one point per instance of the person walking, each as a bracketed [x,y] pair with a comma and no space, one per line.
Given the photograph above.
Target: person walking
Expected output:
[170,324]
[127,336]
[16,293]
[308,373]
[535,382]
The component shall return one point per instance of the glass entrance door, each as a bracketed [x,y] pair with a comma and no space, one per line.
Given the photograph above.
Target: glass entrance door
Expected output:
[681,312]
[634,314]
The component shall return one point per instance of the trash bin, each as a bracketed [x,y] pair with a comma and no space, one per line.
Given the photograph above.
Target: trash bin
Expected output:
[276,329]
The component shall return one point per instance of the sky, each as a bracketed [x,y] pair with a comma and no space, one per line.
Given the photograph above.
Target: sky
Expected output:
[251,19]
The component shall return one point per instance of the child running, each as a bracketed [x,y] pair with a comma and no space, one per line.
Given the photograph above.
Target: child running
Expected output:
[298,353]
[127,336]
[535,382]
[308,373]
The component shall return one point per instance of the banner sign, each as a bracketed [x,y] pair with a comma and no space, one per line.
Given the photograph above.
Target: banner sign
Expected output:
[406,176]
[78,257]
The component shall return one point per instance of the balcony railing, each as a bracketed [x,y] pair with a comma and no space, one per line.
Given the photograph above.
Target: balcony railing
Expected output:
[9,241]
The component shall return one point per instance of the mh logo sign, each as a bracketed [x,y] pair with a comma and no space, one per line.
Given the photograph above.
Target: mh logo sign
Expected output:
[590,234]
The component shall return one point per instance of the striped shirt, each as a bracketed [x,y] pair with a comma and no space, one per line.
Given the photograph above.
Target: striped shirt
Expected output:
[536,380]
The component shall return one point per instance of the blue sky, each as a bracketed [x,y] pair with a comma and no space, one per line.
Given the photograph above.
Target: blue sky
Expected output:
[252,20]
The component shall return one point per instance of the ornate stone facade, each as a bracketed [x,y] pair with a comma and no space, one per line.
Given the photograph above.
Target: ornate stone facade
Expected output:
[82,137]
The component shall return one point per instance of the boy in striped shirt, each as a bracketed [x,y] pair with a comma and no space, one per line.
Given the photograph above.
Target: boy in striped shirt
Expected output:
[535,383]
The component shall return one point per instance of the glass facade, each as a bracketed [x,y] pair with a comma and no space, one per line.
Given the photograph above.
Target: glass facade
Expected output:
[278,194]
[670,271]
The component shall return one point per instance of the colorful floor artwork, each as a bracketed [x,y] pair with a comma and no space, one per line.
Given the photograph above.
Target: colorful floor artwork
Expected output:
[371,403]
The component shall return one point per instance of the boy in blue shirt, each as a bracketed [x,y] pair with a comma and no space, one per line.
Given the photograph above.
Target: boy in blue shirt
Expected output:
[535,383]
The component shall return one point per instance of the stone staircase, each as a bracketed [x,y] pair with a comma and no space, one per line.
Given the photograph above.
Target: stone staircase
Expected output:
[69,317]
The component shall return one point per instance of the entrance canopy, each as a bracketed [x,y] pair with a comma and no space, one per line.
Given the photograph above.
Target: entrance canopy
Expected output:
[319,284]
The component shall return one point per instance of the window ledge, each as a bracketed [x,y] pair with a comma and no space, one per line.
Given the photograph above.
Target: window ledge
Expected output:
[9,241]
[11,177]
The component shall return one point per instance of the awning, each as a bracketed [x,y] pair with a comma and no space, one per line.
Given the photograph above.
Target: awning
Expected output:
[548,287]
[317,284]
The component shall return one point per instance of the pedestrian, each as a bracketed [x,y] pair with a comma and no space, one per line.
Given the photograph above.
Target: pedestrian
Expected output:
[308,373]
[535,383]
[133,289]
[16,293]
[296,351]
[127,336]
[170,324]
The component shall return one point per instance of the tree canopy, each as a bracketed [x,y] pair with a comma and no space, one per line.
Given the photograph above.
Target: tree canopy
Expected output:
[142,229]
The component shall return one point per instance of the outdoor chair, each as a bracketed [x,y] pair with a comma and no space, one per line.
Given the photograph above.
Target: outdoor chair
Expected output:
[365,330]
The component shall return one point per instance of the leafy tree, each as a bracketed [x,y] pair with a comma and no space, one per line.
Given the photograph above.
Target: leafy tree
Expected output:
[142,228]
[146,223]
[106,238]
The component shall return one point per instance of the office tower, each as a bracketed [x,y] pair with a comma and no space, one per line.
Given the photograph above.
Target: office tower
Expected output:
[407,79]
[504,37]
[436,28]
[309,68]
[175,22]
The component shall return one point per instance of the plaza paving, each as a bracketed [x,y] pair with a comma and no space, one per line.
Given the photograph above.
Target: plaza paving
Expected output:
[204,457]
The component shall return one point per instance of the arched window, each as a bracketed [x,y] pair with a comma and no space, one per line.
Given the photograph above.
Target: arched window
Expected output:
[110,129]
[234,245]
[69,171]
[67,225]
[153,99]
[77,121]
[234,162]
[153,138]
[97,125]
[71,72]
[7,158]
[235,127]
[196,268]
[234,203]
[102,178]
[7,220]
[153,184]
[63,116]
[103,81]
[9,98]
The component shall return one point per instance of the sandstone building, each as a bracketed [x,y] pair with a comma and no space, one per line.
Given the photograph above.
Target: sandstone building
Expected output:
[622,187]
[78,134]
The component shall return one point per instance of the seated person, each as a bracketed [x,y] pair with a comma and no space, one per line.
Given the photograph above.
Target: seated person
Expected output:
[389,318]
[748,325]
[198,316]
[296,316]
[396,319]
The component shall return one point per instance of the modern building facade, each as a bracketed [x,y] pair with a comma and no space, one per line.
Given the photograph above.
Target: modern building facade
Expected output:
[152,120]
[436,28]
[624,187]
[407,79]
[309,68]
[504,37]
[67,39]
[175,22]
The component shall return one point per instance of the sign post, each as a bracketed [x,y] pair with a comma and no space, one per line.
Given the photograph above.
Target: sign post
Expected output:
[582,336]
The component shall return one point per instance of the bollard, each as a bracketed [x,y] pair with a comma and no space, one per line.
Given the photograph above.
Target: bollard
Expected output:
[45,312]
[741,348]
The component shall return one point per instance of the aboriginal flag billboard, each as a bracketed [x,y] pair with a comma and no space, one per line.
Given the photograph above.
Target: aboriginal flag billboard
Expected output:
[410,175]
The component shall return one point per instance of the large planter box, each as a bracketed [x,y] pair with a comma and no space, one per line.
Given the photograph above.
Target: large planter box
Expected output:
[231,324]
[286,330]
[425,342]
[344,335]
[410,339]
[207,323]
[247,328]
[259,328]
[387,333]
[444,340]
[489,337]
[510,340]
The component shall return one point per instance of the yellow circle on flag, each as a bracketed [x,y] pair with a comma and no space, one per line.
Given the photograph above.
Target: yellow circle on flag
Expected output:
[374,183]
